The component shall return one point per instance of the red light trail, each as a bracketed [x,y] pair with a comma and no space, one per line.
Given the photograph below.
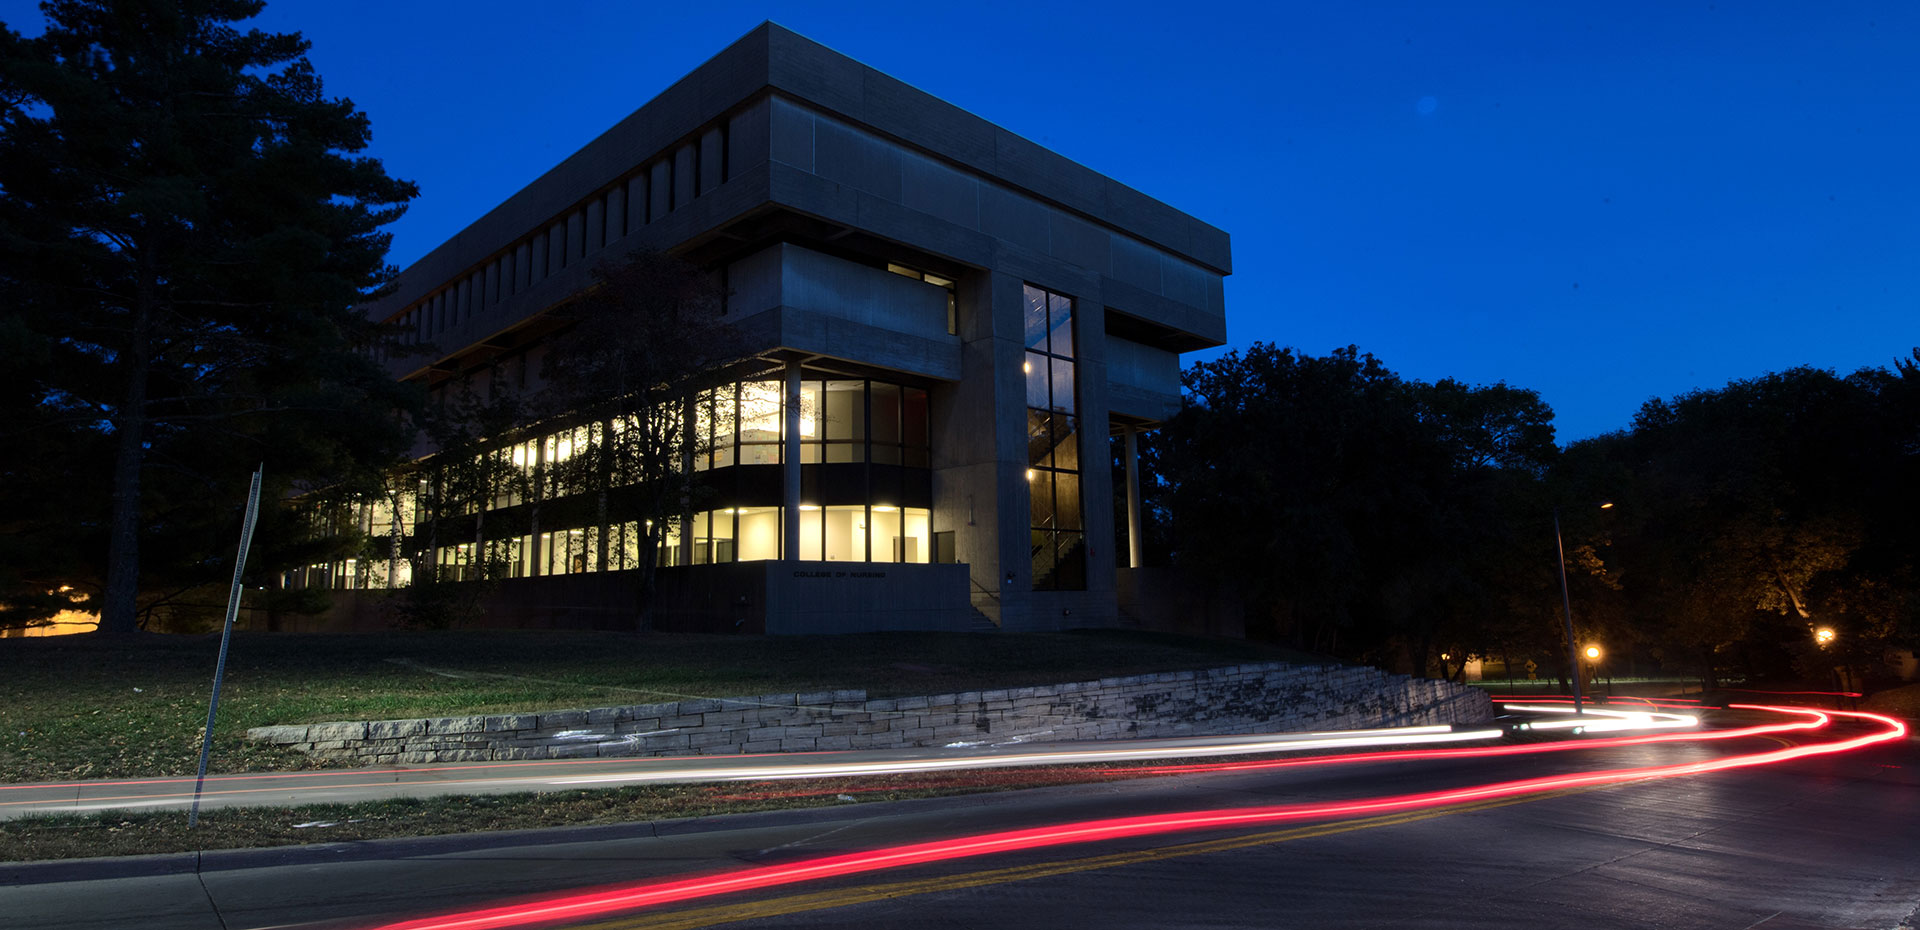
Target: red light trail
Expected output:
[655,893]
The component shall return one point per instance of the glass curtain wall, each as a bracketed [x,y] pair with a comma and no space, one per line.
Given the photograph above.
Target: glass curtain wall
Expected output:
[1058,550]
[864,444]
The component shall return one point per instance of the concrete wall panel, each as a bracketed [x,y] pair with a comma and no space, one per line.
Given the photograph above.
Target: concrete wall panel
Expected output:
[1075,240]
[753,283]
[856,159]
[1137,264]
[1183,281]
[792,129]
[1038,168]
[1142,366]
[935,189]
[748,138]
[1017,219]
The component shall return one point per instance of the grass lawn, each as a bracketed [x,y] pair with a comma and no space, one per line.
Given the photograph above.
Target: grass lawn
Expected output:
[1903,701]
[143,832]
[79,707]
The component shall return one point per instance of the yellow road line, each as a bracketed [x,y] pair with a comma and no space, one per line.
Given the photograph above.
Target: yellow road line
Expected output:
[820,900]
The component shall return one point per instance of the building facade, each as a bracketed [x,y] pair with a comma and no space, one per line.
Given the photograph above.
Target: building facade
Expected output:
[953,329]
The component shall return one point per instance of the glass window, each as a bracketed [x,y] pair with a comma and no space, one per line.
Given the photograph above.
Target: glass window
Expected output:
[810,532]
[702,538]
[1060,314]
[914,424]
[810,407]
[667,549]
[726,422]
[886,413]
[885,522]
[1066,496]
[916,537]
[846,410]
[1053,480]
[1040,497]
[1036,318]
[846,533]
[1035,368]
[722,528]
[759,534]
[623,546]
[1062,384]
[1065,442]
[760,419]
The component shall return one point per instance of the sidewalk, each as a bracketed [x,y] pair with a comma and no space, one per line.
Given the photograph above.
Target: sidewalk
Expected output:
[417,781]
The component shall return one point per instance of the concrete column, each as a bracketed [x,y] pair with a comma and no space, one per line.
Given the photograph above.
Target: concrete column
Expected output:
[1135,546]
[616,213]
[536,552]
[659,190]
[790,516]
[689,425]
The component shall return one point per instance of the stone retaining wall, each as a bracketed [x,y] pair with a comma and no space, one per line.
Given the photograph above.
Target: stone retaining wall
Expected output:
[1240,699]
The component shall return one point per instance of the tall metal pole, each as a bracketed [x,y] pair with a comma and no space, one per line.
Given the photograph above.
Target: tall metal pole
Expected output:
[1573,652]
[226,636]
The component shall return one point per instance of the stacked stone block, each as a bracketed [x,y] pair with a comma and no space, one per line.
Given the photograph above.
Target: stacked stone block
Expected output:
[1269,698]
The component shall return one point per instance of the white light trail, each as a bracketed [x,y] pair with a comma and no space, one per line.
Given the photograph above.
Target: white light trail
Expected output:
[1610,720]
[1227,746]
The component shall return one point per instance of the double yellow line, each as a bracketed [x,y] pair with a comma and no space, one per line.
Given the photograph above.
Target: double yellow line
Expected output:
[842,897]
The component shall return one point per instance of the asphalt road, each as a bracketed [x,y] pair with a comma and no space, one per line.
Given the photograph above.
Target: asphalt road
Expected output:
[1829,841]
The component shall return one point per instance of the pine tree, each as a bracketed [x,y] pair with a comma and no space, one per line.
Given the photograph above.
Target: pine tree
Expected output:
[185,230]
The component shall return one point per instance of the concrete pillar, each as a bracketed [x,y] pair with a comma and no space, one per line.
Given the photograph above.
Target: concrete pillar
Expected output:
[689,427]
[1135,546]
[536,553]
[790,516]
[616,215]
[659,190]
[686,161]
[712,158]
[576,242]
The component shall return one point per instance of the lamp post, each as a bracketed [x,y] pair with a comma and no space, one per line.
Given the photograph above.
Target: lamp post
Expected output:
[1592,653]
[1566,600]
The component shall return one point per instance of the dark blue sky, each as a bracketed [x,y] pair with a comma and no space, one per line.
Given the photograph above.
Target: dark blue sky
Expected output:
[1601,201]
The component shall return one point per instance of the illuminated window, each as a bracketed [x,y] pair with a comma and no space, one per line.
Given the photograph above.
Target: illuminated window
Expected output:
[1058,529]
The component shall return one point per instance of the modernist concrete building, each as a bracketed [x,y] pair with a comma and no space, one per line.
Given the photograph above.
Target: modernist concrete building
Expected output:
[953,325]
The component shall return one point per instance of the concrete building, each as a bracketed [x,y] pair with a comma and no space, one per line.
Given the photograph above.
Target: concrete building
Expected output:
[953,325]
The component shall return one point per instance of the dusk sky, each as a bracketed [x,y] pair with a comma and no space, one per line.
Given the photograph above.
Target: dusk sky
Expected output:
[1604,202]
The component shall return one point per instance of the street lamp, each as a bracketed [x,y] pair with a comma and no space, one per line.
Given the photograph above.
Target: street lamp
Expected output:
[1823,635]
[1573,657]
